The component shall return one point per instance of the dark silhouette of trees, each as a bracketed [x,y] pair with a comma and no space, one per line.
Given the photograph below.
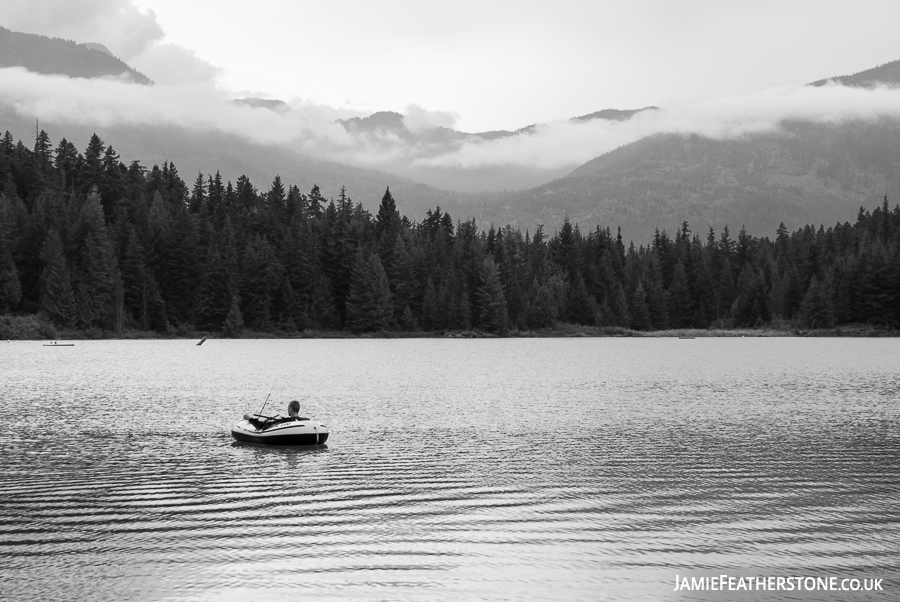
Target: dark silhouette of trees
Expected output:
[369,303]
[93,243]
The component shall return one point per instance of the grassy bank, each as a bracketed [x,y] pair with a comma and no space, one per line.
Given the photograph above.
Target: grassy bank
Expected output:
[14,328]
[35,327]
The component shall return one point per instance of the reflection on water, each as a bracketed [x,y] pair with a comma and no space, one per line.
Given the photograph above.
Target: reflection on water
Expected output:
[456,470]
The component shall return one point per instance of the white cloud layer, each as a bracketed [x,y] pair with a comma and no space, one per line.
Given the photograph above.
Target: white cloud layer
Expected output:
[564,143]
[171,64]
[117,24]
[310,128]
[417,119]
[130,34]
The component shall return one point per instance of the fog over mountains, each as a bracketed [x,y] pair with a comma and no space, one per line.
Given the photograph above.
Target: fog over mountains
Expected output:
[56,56]
[797,155]
[805,171]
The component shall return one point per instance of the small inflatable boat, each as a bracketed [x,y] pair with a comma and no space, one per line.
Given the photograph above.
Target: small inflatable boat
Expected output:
[280,430]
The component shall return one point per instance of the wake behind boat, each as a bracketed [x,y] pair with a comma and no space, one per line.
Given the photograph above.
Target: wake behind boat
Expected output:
[280,430]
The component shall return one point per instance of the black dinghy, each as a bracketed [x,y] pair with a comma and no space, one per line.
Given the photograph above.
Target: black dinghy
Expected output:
[281,430]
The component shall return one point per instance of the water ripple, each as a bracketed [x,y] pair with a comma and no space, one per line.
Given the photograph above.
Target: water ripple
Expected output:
[560,470]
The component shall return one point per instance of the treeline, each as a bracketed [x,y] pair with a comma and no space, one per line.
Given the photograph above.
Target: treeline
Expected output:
[92,243]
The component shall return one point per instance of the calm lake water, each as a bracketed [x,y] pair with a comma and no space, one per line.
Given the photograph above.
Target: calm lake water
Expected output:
[510,469]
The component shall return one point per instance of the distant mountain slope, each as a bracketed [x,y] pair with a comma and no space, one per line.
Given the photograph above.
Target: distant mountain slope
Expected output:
[63,57]
[391,121]
[809,173]
[193,150]
[96,46]
[613,114]
[886,74]
[483,181]
[275,105]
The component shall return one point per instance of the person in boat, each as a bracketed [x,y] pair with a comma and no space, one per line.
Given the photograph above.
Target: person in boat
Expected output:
[263,422]
[294,409]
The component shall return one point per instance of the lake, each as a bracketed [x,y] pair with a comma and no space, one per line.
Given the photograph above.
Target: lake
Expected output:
[488,469]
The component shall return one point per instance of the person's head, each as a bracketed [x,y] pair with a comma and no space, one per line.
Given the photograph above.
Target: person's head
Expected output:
[293,408]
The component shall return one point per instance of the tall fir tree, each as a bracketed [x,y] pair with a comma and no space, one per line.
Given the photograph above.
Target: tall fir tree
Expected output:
[369,303]
[492,301]
[57,299]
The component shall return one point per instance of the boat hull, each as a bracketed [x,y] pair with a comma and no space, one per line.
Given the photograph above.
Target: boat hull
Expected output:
[292,433]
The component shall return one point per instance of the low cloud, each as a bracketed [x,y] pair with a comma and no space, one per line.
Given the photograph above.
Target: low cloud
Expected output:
[418,119]
[194,102]
[171,64]
[563,143]
[117,24]
[130,34]
[105,102]
[314,111]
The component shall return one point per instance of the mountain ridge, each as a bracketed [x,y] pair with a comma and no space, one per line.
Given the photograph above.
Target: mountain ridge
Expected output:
[193,151]
[885,74]
[807,172]
[55,56]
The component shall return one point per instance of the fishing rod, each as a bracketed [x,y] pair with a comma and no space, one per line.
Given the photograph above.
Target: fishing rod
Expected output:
[267,397]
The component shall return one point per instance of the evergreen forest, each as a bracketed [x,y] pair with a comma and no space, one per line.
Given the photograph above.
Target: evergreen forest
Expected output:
[91,244]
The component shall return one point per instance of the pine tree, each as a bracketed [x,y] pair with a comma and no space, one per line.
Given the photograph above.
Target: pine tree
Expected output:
[284,305]
[387,224]
[276,197]
[43,152]
[565,249]
[580,307]
[681,305]
[94,284]
[491,299]
[816,309]
[57,299]
[66,162]
[408,321]
[657,298]
[640,311]
[388,218]
[215,293]
[10,287]
[260,277]
[91,171]
[619,308]
[233,321]
[316,201]
[542,311]
[181,267]
[369,303]
[198,195]
[751,306]
[430,308]
[215,198]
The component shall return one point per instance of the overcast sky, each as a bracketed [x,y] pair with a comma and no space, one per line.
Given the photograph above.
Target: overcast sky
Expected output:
[505,64]
[488,64]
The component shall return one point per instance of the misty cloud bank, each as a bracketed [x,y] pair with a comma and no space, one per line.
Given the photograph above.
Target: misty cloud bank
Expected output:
[575,142]
[422,145]
[130,34]
[312,129]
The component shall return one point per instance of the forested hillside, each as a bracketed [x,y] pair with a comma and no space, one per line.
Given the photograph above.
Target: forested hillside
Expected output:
[887,74]
[94,244]
[64,57]
[804,173]
[193,150]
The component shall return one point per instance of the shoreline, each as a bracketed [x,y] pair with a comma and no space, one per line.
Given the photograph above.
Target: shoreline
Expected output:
[32,328]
